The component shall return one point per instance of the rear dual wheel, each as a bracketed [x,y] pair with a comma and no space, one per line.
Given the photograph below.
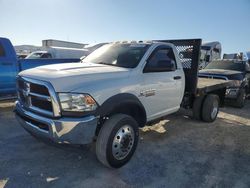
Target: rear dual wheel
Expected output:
[210,108]
[207,108]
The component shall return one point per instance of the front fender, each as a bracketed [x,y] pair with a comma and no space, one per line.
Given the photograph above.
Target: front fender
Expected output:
[121,100]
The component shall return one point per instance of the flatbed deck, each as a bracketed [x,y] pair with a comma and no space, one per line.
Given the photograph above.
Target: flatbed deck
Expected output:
[206,85]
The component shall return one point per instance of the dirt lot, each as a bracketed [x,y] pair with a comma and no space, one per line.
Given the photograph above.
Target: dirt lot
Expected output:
[177,152]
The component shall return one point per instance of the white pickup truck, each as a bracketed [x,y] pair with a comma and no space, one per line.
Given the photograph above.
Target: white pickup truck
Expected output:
[116,90]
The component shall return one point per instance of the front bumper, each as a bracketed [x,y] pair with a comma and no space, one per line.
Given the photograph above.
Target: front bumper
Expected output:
[63,130]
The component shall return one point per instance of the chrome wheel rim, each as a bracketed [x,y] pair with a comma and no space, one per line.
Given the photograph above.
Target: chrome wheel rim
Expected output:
[123,142]
[214,111]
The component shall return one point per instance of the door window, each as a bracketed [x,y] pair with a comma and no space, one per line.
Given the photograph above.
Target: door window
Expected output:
[161,60]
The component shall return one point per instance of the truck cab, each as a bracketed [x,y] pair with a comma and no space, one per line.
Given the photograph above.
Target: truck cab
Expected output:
[154,67]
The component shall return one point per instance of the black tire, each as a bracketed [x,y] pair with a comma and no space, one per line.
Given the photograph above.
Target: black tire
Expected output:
[105,140]
[210,108]
[241,99]
[197,108]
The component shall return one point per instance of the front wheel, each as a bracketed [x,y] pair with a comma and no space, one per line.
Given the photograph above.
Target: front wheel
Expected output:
[117,140]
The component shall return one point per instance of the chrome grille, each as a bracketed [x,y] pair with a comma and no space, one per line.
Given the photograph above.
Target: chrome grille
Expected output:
[38,96]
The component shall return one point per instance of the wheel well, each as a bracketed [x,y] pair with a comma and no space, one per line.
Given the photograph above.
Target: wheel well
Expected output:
[124,103]
[132,110]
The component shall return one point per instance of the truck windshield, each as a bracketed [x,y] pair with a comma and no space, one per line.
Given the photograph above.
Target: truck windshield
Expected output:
[227,65]
[126,55]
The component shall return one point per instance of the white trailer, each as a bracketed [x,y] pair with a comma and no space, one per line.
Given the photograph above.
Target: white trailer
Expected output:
[60,43]
[58,53]
[209,51]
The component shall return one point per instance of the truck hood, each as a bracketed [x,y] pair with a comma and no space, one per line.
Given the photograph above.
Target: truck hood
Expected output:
[70,76]
[229,74]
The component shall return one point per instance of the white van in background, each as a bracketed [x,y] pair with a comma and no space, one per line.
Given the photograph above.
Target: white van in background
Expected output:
[58,53]
[209,51]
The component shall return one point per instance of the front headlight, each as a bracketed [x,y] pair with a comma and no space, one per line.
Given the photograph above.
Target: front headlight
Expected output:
[232,91]
[74,102]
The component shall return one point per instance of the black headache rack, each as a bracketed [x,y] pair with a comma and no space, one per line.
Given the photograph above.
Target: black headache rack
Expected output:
[189,54]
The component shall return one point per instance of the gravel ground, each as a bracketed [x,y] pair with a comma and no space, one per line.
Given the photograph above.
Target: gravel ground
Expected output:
[177,152]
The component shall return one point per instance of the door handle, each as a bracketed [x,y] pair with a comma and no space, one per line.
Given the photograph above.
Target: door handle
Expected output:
[177,77]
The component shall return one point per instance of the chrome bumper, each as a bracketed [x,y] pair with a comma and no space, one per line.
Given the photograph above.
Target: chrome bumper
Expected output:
[63,130]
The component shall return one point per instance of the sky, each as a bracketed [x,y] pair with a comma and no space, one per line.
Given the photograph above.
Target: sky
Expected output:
[92,21]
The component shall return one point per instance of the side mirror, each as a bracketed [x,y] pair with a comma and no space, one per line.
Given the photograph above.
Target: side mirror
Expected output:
[161,66]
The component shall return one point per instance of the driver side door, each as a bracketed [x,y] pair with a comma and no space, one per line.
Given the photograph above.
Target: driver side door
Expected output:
[162,83]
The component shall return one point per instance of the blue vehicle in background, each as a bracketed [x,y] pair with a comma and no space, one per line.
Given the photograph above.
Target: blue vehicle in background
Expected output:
[10,66]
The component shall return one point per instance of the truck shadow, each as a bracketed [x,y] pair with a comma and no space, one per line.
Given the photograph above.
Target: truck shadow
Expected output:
[237,112]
